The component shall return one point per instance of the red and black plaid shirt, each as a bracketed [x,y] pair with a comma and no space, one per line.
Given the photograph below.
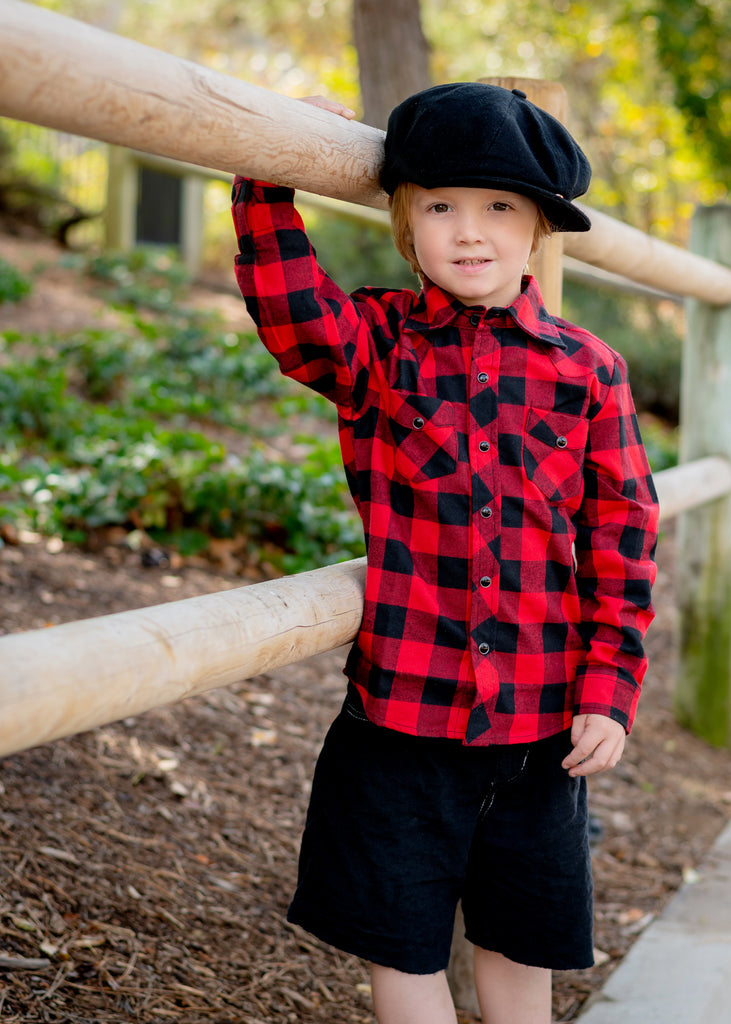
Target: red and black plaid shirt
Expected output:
[495,459]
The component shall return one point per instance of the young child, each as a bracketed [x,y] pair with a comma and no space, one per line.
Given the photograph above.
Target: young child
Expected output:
[493,453]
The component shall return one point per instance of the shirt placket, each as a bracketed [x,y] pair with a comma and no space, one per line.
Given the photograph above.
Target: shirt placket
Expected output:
[484,467]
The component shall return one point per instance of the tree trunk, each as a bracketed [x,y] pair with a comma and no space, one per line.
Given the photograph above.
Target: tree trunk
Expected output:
[393,55]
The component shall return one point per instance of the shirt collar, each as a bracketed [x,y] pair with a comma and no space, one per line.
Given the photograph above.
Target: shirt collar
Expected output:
[435,308]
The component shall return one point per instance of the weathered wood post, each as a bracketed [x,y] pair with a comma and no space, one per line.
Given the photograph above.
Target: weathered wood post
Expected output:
[703,687]
[547,269]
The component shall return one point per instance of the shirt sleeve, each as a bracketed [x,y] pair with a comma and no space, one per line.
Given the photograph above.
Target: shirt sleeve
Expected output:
[615,547]
[312,327]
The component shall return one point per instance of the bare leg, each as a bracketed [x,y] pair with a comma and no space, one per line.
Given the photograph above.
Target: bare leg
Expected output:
[400,998]
[511,993]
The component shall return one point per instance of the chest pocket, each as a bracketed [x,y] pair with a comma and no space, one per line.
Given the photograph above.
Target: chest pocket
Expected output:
[553,453]
[424,435]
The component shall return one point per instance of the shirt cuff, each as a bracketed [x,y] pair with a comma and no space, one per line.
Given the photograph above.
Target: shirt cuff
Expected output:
[604,692]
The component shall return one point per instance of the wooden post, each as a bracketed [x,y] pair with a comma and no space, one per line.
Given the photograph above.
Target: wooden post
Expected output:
[703,687]
[119,215]
[191,239]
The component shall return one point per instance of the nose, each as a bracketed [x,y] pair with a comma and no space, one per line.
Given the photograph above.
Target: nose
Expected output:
[469,228]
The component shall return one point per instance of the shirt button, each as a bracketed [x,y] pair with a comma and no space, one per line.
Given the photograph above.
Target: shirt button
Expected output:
[484,446]
[486,512]
[418,423]
[484,648]
[485,581]
[561,442]
[483,378]
[475,319]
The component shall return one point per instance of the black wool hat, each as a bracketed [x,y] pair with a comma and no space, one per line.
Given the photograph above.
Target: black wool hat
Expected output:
[484,136]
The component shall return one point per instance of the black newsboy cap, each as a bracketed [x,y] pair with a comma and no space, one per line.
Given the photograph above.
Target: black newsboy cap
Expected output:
[474,134]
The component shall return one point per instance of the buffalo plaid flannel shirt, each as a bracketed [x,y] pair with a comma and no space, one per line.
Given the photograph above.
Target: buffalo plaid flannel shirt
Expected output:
[496,462]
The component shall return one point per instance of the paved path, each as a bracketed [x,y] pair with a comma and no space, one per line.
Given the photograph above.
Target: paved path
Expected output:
[679,970]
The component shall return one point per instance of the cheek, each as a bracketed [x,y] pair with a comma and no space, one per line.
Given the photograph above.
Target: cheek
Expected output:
[521,246]
[420,240]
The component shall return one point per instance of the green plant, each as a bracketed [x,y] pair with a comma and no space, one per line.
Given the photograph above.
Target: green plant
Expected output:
[661,443]
[13,285]
[72,463]
[146,276]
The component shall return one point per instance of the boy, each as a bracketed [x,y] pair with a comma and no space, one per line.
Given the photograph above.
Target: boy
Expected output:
[493,453]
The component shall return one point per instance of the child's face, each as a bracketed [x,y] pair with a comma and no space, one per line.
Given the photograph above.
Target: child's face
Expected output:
[473,242]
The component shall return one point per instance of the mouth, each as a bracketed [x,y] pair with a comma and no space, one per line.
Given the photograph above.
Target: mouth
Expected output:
[476,262]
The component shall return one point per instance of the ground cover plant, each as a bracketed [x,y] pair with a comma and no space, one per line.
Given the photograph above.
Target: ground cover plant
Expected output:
[155,424]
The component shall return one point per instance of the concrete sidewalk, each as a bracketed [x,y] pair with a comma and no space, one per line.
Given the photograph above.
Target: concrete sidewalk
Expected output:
[679,970]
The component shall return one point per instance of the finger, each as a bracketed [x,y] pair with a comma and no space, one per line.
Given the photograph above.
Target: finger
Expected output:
[332,105]
[605,755]
[578,728]
[583,744]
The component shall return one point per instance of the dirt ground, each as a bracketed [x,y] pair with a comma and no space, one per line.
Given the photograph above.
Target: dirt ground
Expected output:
[146,866]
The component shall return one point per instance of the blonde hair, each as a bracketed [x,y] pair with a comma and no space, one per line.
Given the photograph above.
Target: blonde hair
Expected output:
[400,206]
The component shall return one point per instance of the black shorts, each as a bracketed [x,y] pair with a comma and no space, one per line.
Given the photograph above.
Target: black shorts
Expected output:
[400,828]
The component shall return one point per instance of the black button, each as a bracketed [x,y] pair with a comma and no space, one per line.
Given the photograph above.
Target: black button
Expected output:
[483,378]
[561,442]
[486,512]
[485,581]
[484,648]
[475,319]
[418,423]
[484,446]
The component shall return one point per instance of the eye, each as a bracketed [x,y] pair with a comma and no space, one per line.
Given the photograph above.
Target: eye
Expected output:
[500,206]
[439,207]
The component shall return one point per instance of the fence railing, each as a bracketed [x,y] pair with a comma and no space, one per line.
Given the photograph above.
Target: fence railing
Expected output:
[70,76]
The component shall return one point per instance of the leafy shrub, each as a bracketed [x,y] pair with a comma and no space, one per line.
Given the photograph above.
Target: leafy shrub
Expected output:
[100,428]
[147,276]
[35,404]
[13,285]
[661,443]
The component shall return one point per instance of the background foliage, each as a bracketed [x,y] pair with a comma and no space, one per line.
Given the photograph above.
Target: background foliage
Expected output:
[156,426]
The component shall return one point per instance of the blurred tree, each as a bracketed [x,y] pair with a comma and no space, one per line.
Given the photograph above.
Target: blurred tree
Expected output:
[393,54]
[694,46]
